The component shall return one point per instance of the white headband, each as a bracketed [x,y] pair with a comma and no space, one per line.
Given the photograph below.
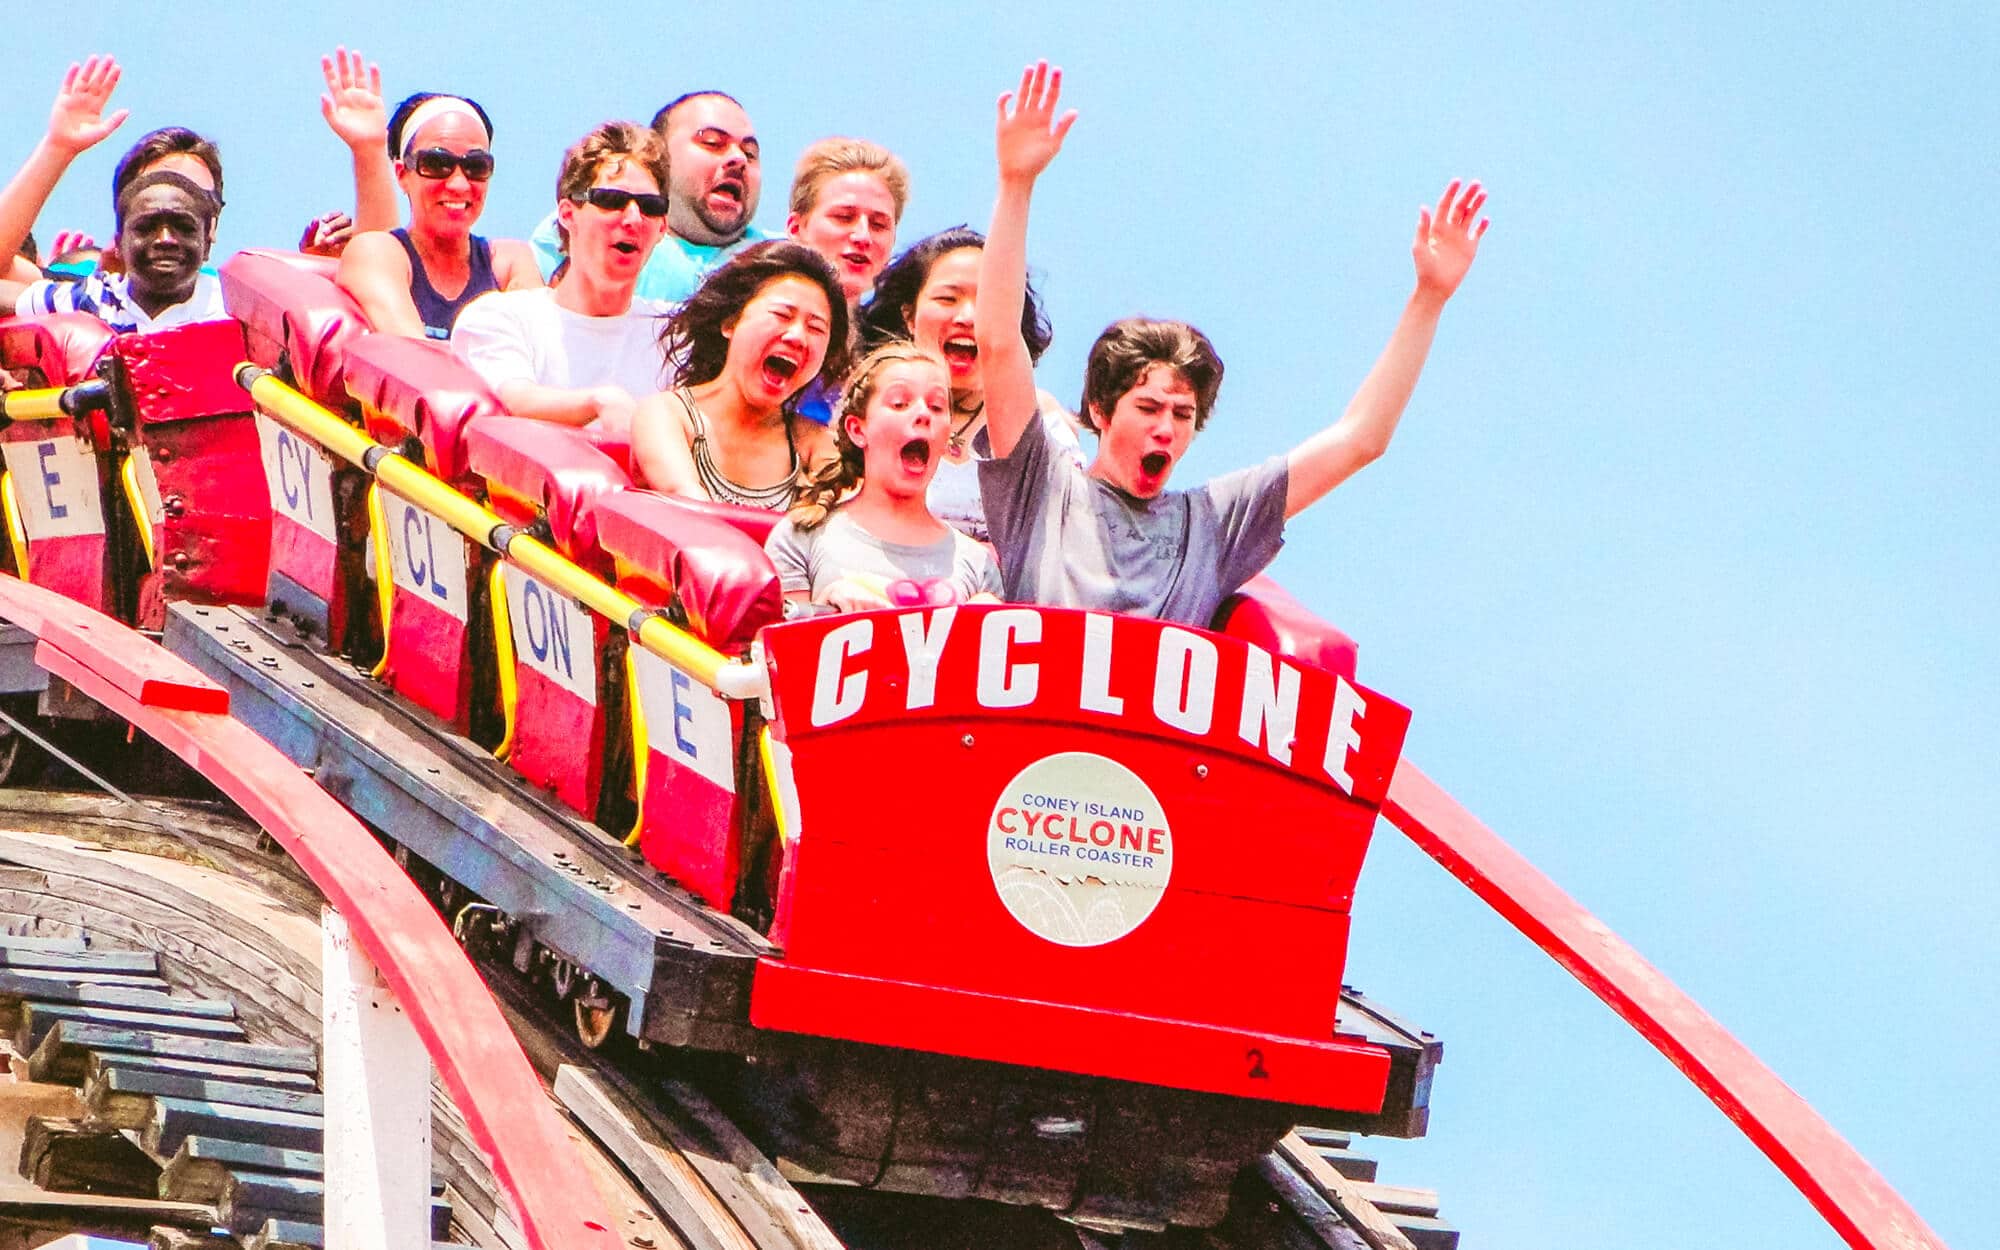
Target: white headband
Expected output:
[440,106]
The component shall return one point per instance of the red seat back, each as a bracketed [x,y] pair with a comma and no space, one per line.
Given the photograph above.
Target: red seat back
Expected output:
[413,388]
[60,349]
[536,470]
[294,316]
[1263,614]
[669,550]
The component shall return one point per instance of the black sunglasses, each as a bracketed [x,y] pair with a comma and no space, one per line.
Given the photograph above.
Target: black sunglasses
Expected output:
[614,200]
[439,162]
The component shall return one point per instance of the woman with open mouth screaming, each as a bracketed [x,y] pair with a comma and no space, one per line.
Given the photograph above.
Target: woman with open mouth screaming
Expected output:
[927,297]
[741,349]
[862,535]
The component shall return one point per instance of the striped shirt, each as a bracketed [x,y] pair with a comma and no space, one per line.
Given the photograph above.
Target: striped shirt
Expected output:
[108,297]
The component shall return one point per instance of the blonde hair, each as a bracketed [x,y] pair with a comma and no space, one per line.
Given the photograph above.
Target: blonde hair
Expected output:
[829,158]
[836,481]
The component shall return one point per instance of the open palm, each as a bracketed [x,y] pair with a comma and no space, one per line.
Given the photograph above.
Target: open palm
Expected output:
[1448,237]
[78,121]
[352,104]
[1026,139]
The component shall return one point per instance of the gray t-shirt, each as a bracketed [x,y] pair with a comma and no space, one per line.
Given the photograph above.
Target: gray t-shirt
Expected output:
[1068,540]
[814,559]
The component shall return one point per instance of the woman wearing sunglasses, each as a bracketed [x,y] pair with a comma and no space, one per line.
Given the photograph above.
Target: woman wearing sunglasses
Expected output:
[414,280]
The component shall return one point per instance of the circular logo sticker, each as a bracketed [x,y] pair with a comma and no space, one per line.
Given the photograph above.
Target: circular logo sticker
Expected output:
[1079,849]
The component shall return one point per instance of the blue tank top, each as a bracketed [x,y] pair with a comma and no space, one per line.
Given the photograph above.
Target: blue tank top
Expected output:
[439,313]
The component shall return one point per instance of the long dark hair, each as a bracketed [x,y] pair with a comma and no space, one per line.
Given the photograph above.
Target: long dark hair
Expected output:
[887,316]
[692,337]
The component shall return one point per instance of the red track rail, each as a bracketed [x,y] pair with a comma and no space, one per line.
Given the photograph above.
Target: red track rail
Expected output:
[474,1052]
[1848,1193]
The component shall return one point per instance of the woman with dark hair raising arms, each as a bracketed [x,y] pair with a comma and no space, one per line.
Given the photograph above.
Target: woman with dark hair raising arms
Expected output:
[928,297]
[742,348]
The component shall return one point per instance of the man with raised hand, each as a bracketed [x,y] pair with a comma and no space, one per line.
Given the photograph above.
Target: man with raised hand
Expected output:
[587,349]
[1113,536]
[715,173]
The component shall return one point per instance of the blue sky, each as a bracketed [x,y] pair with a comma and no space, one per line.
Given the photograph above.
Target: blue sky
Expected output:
[1684,558]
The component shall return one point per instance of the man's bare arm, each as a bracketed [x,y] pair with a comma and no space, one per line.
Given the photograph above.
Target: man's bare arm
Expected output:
[1025,141]
[77,122]
[1446,243]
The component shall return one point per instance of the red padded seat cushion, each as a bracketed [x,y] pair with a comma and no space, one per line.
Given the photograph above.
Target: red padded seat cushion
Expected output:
[289,308]
[413,387]
[1264,614]
[535,469]
[62,347]
[674,550]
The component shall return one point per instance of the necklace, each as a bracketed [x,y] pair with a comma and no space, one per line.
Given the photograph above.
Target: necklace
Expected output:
[959,437]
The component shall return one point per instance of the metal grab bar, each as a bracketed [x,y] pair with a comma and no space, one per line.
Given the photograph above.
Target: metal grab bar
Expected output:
[731,679]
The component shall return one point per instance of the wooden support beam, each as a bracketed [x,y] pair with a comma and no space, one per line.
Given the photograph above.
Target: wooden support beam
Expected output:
[37,1019]
[661,1170]
[175,1119]
[62,1054]
[66,1156]
[201,1167]
[122,1097]
[1343,1196]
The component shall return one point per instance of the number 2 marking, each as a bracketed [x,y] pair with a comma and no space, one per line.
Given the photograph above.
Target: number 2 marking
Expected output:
[1256,1058]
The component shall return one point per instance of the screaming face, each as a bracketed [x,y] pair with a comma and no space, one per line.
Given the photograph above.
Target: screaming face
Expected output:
[941,319]
[1146,433]
[904,427]
[715,171]
[778,342]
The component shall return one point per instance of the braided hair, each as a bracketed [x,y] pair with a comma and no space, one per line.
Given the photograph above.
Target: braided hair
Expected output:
[833,482]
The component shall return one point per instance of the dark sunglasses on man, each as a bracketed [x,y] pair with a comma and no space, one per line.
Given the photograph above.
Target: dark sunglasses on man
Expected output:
[439,162]
[614,200]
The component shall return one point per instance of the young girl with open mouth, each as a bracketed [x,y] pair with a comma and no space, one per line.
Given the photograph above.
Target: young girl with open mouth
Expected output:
[862,534]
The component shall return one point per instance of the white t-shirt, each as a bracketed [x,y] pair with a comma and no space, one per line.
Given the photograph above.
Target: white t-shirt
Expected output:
[525,336]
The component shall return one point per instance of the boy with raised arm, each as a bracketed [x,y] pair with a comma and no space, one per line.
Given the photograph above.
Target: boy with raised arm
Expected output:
[1113,536]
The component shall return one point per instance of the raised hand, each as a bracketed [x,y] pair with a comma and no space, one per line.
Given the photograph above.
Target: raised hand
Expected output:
[1448,239]
[67,241]
[327,234]
[352,104]
[1025,139]
[77,121]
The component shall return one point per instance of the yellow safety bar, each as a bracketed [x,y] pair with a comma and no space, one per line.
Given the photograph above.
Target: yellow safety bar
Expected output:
[17,532]
[44,404]
[128,477]
[729,678]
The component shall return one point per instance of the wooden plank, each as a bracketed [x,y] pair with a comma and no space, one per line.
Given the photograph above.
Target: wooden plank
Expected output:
[250,1198]
[662,1171]
[20,988]
[1399,1200]
[185,1239]
[286,1235]
[38,1018]
[175,1119]
[121,1097]
[1340,1193]
[201,1167]
[64,1155]
[25,942]
[1308,1205]
[15,960]
[101,1061]
[62,1053]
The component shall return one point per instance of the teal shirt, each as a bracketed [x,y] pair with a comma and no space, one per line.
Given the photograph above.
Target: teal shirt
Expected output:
[672,272]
